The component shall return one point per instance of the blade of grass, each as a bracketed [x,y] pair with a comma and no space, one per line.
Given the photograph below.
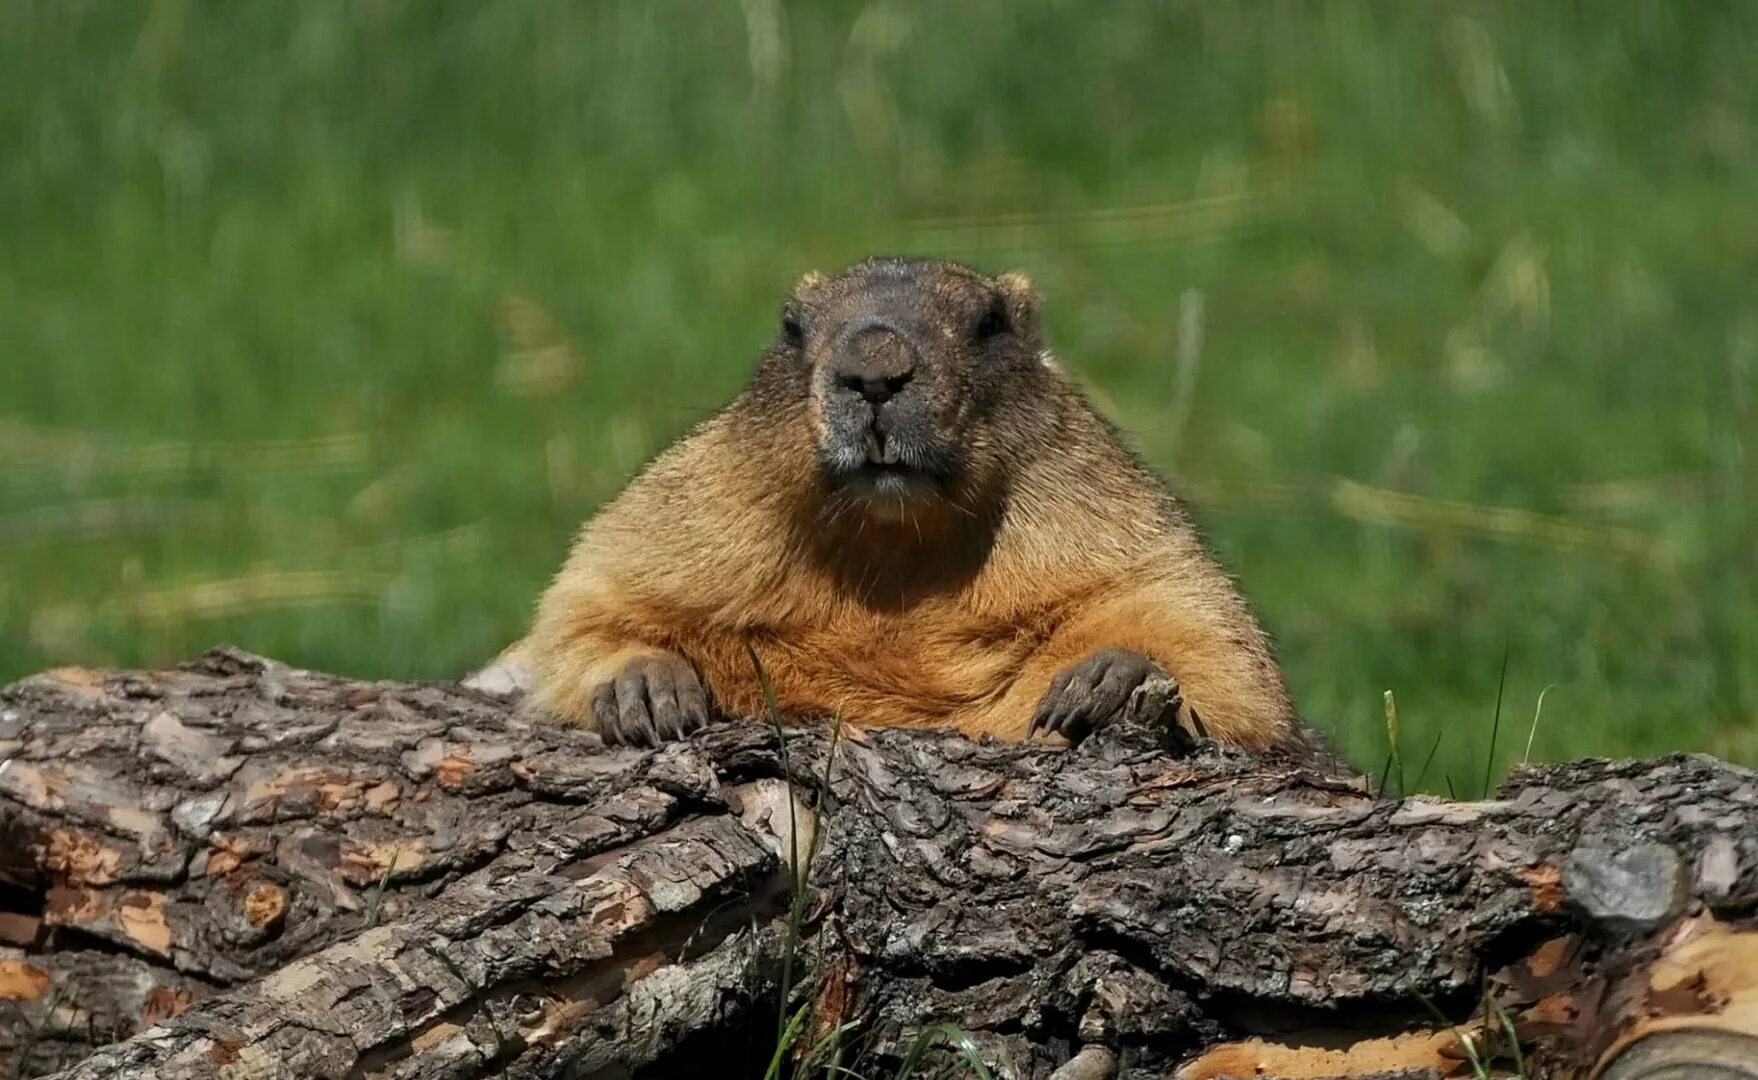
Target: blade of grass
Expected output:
[1385,773]
[790,1031]
[800,870]
[36,1032]
[797,911]
[793,840]
[1501,1016]
[1397,761]
[1426,762]
[1479,1067]
[378,894]
[1537,711]
[829,1046]
[953,1034]
[1495,727]
[826,797]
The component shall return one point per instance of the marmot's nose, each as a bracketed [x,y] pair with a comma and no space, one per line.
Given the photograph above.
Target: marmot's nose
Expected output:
[876,391]
[873,359]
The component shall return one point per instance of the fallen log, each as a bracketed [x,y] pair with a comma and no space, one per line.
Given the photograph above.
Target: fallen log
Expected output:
[239,869]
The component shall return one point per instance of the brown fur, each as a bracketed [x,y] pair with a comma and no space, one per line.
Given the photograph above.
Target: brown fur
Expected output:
[1051,542]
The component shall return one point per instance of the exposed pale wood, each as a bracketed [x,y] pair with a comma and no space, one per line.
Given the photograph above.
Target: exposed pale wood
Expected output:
[325,877]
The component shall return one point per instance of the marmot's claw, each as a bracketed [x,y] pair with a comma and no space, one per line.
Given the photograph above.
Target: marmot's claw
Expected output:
[653,699]
[1090,694]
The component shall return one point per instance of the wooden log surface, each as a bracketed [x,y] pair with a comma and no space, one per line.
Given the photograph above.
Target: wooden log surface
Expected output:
[239,869]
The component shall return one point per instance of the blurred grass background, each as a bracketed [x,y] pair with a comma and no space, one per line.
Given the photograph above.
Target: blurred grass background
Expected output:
[322,325]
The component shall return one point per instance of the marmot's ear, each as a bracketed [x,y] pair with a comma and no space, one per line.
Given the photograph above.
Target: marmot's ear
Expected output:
[808,283]
[1022,302]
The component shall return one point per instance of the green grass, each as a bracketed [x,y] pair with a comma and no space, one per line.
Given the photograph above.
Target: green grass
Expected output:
[322,325]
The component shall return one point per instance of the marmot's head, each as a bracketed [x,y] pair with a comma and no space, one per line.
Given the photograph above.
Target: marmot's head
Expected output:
[908,367]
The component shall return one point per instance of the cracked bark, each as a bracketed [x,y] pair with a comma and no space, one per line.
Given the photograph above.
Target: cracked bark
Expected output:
[237,869]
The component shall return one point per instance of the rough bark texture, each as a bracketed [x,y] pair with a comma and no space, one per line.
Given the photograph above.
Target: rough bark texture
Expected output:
[236,869]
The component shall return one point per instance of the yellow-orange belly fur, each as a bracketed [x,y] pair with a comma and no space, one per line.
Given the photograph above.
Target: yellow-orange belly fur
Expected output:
[906,669]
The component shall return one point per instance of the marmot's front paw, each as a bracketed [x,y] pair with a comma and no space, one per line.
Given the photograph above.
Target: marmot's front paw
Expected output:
[1091,694]
[653,698]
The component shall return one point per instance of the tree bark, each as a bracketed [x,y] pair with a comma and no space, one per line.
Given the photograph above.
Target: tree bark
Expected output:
[238,869]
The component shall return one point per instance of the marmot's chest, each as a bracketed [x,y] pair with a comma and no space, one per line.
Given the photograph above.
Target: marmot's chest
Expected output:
[916,666]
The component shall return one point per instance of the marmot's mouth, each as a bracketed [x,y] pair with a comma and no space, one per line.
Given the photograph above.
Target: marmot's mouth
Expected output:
[875,470]
[882,460]
[881,452]
[898,477]
[889,482]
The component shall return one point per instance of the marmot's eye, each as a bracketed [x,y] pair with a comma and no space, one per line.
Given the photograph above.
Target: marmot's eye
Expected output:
[993,322]
[791,330]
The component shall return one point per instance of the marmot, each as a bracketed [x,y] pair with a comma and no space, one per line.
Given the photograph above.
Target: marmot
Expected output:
[913,517]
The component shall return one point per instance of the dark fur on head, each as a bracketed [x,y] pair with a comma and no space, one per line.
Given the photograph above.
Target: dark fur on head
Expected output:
[915,373]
